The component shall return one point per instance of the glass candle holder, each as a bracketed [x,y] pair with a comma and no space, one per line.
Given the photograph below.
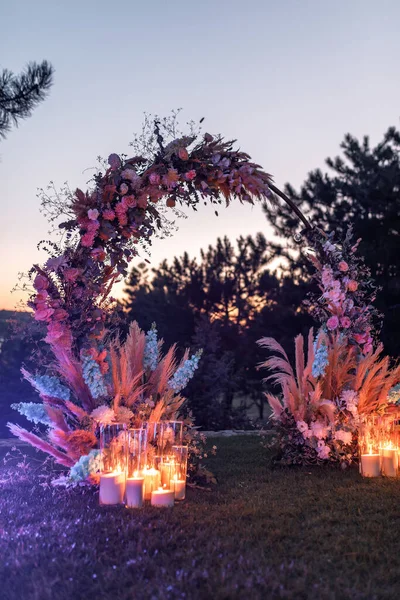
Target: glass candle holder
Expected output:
[171,434]
[389,446]
[369,434]
[178,481]
[136,464]
[113,452]
[153,437]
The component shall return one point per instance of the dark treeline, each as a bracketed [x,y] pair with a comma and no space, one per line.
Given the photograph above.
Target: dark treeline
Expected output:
[239,291]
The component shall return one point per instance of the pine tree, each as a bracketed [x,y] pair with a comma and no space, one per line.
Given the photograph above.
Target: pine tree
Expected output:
[20,94]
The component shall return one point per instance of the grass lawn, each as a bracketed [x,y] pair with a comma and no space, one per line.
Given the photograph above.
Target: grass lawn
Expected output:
[262,533]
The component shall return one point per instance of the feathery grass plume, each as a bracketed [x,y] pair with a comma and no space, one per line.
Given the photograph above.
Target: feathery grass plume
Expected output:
[158,380]
[295,386]
[37,442]
[373,381]
[71,370]
[57,418]
[126,380]
[134,347]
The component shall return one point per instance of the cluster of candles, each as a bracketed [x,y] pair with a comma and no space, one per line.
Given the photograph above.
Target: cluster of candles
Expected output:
[148,463]
[379,446]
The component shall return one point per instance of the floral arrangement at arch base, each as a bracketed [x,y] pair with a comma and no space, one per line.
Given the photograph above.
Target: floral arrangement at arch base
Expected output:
[342,375]
[127,383]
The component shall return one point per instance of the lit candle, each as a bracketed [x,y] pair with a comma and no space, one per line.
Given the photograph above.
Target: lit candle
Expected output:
[134,491]
[152,481]
[162,497]
[166,469]
[179,487]
[390,462]
[112,487]
[370,465]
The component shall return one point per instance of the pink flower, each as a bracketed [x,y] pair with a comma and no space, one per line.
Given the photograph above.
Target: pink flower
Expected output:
[43,314]
[87,240]
[120,210]
[345,322]
[114,161]
[367,348]
[92,214]
[93,226]
[123,189]
[71,274]
[98,254]
[41,296]
[154,178]
[190,174]
[332,323]
[129,201]
[343,266]
[108,214]
[40,283]
[360,338]
[60,314]
[56,262]
[352,286]
[326,276]
[131,176]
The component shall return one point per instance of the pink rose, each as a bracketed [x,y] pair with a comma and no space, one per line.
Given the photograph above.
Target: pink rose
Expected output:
[154,178]
[41,296]
[343,266]
[190,174]
[332,323]
[92,214]
[40,283]
[123,189]
[345,322]
[114,161]
[352,286]
[43,314]
[60,314]
[360,338]
[129,201]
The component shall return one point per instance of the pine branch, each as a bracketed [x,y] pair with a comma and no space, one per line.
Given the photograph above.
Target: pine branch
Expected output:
[20,94]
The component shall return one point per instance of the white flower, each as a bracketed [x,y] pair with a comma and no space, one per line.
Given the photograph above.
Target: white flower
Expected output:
[350,398]
[323,451]
[319,430]
[104,415]
[302,426]
[343,436]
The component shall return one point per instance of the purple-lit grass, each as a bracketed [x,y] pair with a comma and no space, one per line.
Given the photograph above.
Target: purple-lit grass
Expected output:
[285,533]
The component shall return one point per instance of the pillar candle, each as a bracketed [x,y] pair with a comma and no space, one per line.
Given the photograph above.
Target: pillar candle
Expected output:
[152,480]
[112,488]
[166,470]
[370,465]
[390,462]
[134,492]
[179,487]
[162,497]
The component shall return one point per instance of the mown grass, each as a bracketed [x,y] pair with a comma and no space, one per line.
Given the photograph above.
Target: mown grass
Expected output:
[313,533]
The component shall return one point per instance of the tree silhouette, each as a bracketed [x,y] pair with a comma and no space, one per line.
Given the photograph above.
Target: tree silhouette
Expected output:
[20,94]
[362,188]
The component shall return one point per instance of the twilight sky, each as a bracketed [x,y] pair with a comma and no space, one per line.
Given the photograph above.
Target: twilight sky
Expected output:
[288,79]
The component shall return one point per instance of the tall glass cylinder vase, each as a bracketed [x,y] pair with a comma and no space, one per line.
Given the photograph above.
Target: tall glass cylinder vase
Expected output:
[389,446]
[113,452]
[178,481]
[136,465]
[171,434]
[369,434]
